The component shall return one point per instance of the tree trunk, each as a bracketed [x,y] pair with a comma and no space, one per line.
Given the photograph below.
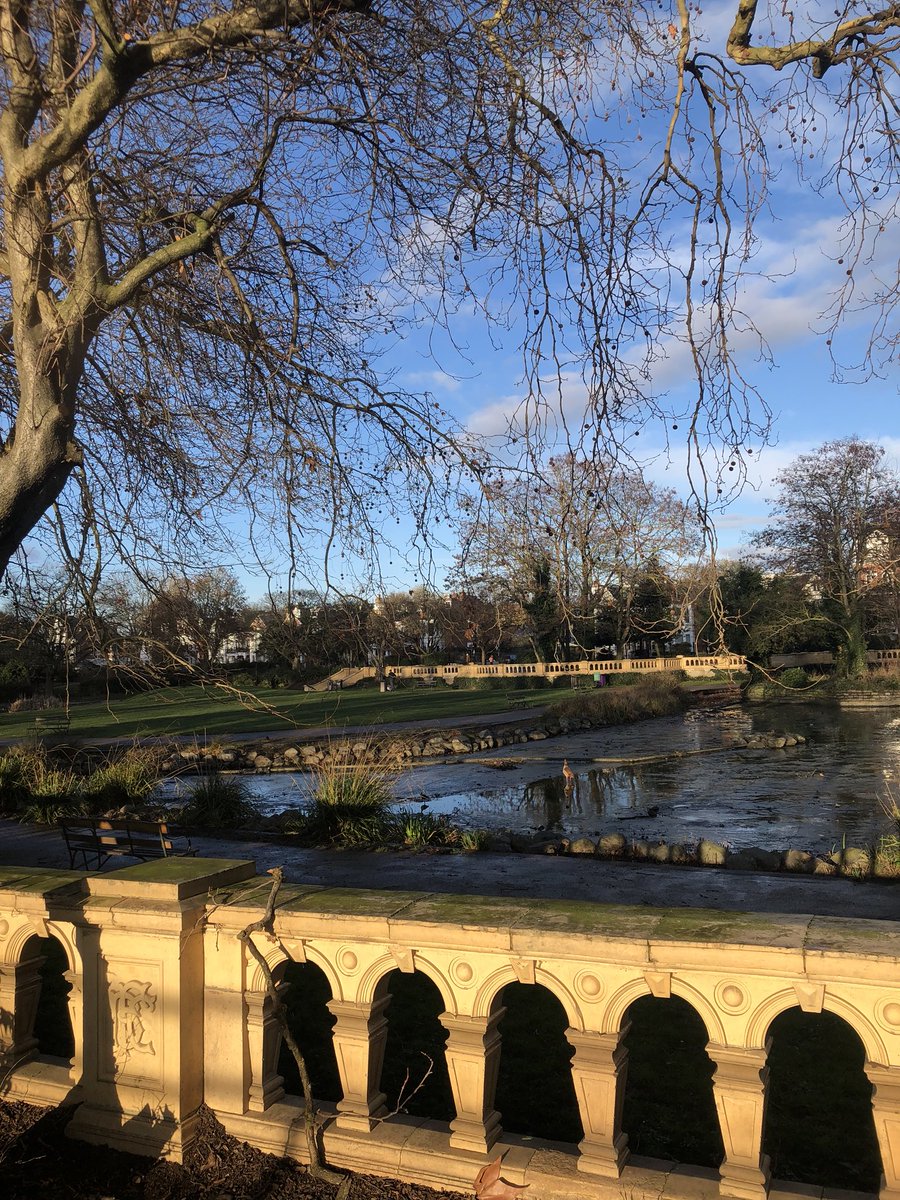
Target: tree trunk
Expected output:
[851,661]
[35,462]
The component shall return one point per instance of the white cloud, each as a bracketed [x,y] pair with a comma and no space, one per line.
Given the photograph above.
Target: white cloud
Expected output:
[434,379]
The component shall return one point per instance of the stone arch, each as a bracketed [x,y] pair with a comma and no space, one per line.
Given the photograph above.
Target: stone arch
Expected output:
[668,1100]
[818,1085]
[318,958]
[372,981]
[414,1005]
[256,980]
[702,1007]
[22,932]
[876,1050]
[773,1006]
[490,989]
[620,1001]
[536,1094]
[64,932]
[486,998]
[307,998]
[563,995]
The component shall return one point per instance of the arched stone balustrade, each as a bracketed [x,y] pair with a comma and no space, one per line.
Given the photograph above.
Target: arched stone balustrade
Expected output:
[173,1011]
[33,916]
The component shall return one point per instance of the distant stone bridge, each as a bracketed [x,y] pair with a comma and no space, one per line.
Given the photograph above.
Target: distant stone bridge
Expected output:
[694,666]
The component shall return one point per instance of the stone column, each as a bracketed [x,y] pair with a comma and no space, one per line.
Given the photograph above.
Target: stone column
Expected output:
[75,1002]
[143,1077]
[739,1088]
[232,1062]
[599,1069]
[473,1060]
[20,991]
[264,1040]
[359,1036]
[886,1111]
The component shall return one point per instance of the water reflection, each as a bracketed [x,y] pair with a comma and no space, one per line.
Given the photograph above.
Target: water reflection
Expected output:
[810,797]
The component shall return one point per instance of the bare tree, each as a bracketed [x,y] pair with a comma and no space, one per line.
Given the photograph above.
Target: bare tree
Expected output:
[838,107]
[215,214]
[580,548]
[191,616]
[836,520]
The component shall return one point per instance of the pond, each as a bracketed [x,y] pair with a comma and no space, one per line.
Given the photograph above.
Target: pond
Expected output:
[812,797]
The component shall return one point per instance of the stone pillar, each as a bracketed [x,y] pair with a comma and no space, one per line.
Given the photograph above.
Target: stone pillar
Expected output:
[359,1036]
[599,1069]
[230,1064]
[264,1040]
[143,1077]
[473,1060]
[886,1111]
[20,991]
[739,1088]
[75,1002]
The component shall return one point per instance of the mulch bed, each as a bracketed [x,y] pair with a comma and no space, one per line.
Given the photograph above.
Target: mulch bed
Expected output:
[37,1160]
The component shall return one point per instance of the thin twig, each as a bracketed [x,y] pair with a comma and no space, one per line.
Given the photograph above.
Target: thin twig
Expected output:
[266,926]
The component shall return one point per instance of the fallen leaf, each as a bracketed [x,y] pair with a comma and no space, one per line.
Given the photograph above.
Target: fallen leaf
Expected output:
[489,1185]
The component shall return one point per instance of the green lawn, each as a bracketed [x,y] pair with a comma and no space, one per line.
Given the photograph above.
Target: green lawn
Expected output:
[214,712]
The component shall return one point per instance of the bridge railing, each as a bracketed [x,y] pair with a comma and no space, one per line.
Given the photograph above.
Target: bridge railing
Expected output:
[169,1011]
[695,666]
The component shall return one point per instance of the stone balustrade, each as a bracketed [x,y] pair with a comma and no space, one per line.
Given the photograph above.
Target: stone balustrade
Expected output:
[169,1011]
[695,666]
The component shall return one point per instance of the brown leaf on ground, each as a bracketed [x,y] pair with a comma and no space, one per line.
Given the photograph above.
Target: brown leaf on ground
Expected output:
[489,1185]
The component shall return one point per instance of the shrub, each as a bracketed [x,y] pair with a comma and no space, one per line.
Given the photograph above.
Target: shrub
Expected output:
[471,840]
[13,787]
[794,677]
[501,683]
[128,778]
[219,802]
[415,830]
[887,852]
[35,704]
[655,695]
[48,808]
[341,825]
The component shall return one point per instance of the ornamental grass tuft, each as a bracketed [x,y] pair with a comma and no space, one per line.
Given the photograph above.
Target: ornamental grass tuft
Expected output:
[219,802]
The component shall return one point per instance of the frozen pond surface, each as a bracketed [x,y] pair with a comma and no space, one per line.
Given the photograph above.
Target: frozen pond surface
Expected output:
[809,797]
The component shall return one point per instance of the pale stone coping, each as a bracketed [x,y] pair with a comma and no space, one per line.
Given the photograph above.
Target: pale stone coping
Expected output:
[560,926]
[172,878]
[38,881]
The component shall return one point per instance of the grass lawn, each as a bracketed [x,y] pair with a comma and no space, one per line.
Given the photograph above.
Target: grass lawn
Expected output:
[214,712]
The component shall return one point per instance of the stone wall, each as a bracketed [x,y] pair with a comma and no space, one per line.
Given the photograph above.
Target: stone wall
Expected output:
[169,1011]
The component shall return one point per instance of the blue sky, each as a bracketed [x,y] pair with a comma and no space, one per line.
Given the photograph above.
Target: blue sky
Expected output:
[476,373]
[796,268]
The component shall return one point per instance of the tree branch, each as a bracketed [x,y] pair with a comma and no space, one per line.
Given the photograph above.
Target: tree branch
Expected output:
[848,40]
[124,63]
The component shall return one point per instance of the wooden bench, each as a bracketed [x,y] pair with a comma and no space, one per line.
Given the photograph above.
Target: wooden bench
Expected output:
[105,839]
[49,723]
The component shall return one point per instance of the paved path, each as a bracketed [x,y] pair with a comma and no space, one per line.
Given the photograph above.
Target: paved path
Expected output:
[517,875]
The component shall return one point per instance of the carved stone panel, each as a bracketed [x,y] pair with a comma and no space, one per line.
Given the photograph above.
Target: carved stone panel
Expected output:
[131,1048]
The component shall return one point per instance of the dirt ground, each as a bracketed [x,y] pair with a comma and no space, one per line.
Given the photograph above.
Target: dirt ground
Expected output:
[38,1162]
